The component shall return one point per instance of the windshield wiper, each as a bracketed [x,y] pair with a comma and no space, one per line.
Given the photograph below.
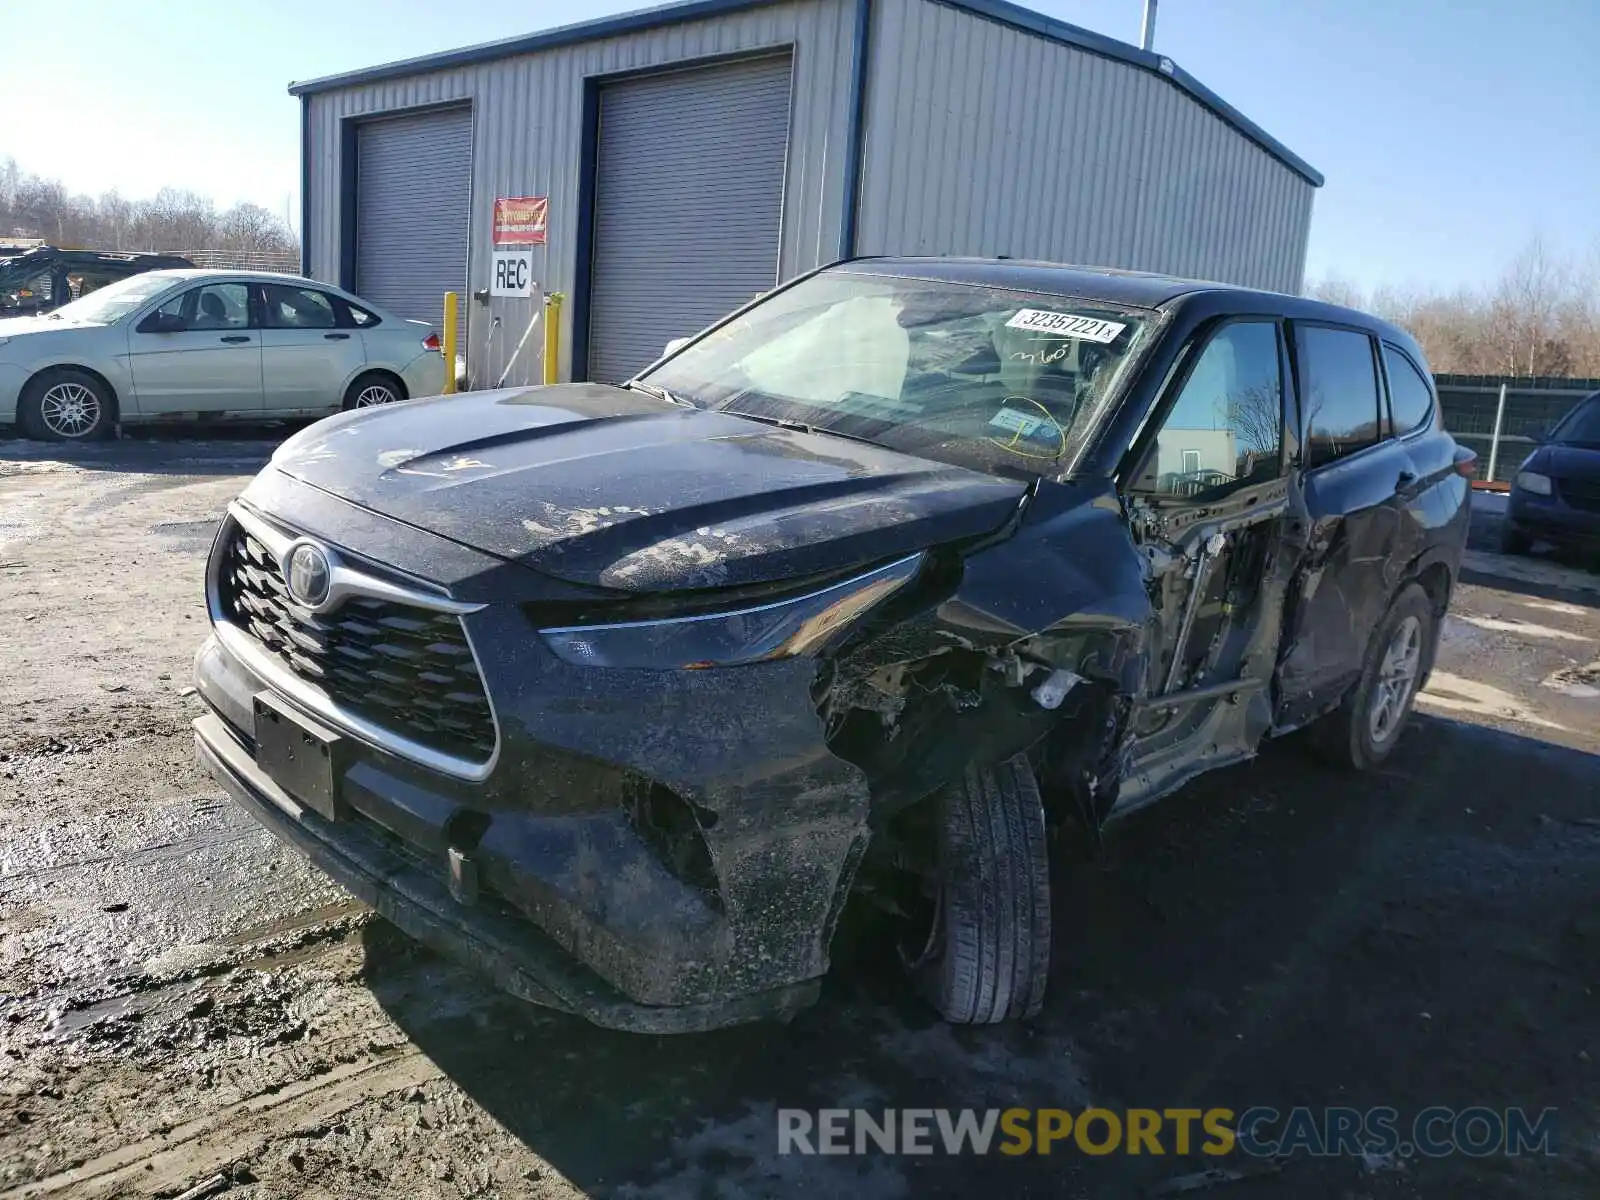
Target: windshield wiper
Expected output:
[659,392]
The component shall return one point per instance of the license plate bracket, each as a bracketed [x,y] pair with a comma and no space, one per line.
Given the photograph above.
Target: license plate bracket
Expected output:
[303,757]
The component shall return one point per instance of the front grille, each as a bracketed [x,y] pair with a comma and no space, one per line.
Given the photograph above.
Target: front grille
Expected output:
[1581,494]
[406,669]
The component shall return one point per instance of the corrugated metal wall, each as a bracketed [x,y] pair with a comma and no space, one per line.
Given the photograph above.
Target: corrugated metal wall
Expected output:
[983,139]
[527,118]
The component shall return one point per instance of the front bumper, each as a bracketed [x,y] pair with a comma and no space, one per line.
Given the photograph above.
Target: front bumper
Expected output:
[1554,521]
[12,379]
[500,943]
[569,872]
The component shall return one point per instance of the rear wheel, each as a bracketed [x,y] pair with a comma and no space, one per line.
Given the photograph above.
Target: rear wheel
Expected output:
[1364,730]
[987,956]
[373,389]
[66,405]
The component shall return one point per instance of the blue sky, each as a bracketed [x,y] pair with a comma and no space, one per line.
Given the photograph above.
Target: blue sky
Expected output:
[1450,131]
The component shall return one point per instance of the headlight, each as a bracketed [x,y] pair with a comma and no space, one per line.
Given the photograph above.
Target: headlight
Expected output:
[768,631]
[1534,483]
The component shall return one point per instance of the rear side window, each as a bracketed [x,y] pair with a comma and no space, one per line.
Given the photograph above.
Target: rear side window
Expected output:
[1338,393]
[360,317]
[1410,397]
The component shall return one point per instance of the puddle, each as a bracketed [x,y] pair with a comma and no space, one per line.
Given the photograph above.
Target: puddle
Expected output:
[118,1007]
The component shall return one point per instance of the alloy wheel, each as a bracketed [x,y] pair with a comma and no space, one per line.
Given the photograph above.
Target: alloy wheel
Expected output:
[1397,676]
[69,410]
[374,394]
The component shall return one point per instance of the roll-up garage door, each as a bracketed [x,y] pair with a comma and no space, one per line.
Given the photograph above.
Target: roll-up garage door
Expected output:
[688,204]
[413,204]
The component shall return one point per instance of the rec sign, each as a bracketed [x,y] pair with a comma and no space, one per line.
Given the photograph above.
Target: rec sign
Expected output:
[513,273]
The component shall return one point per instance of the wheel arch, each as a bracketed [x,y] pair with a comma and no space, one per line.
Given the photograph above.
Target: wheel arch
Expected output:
[42,373]
[367,371]
[1435,573]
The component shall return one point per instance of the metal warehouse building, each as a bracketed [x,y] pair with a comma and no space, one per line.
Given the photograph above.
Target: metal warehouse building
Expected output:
[690,157]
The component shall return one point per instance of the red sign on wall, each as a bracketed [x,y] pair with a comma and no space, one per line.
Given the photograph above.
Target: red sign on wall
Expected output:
[520,220]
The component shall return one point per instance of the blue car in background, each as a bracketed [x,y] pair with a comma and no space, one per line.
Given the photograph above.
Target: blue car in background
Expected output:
[1556,495]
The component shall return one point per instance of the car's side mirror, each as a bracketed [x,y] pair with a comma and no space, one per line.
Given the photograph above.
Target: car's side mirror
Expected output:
[674,346]
[162,322]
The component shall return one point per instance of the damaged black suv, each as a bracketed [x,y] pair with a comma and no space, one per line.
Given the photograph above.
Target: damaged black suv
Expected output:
[620,692]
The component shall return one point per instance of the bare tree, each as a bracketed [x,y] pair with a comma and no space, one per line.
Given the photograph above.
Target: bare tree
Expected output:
[250,228]
[173,219]
[1540,317]
[1335,289]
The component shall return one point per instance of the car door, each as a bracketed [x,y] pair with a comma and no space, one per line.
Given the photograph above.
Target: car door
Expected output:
[1208,498]
[309,349]
[1357,483]
[198,353]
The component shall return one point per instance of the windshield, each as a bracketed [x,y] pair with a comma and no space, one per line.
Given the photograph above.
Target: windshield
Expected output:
[1000,380]
[1581,427]
[115,300]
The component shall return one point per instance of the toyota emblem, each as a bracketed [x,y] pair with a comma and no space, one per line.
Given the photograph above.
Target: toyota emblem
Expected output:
[308,573]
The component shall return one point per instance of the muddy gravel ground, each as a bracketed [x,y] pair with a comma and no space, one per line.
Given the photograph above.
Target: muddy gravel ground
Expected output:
[186,1008]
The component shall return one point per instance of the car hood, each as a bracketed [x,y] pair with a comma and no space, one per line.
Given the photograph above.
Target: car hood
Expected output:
[613,488]
[1566,462]
[11,327]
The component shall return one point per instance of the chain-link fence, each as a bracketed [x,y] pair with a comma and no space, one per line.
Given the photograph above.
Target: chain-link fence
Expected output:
[285,261]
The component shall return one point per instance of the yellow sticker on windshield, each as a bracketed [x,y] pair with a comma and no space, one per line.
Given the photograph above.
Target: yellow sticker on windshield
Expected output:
[1088,329]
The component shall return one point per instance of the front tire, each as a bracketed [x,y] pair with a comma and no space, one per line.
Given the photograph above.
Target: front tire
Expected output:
[373,389]
[66,405]
[1514,541]
[1363,731]
[988,956]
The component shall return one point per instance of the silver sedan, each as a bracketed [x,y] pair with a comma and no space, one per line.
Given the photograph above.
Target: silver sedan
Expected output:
[175,345]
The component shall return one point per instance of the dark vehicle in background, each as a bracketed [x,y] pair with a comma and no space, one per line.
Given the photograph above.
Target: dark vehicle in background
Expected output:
[44,278]
[1556,494]
[621,693]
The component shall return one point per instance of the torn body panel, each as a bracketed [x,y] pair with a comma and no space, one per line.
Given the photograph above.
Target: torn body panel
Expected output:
[1219,574]
[989,669]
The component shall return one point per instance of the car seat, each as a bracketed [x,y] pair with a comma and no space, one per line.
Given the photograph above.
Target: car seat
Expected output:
[213,313]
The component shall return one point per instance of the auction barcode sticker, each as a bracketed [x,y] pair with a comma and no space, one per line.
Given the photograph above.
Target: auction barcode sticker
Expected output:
[1022,423]
[1089,329]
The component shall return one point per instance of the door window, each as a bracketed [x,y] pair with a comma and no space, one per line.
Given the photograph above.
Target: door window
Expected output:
[297,308]
[1410,397]
[1225,429]
[214,306]
[1339,393]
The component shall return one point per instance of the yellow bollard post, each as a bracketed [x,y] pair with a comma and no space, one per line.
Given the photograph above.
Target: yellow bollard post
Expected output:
[450,299]
[552,337]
